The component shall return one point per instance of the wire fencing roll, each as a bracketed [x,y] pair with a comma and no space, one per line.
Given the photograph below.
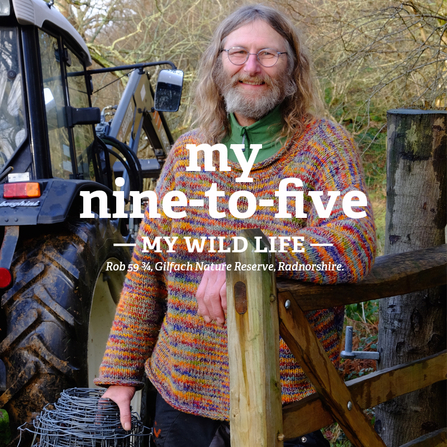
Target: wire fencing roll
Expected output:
[81,418]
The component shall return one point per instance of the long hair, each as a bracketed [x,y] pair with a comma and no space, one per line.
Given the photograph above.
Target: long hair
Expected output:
[297,110]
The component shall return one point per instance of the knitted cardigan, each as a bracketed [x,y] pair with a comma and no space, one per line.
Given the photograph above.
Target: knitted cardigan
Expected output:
[156,327]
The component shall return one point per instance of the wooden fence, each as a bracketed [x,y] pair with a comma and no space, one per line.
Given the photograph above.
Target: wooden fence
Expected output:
[259,309]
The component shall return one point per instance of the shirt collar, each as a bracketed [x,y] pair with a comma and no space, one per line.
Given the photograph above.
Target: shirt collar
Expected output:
[266,131]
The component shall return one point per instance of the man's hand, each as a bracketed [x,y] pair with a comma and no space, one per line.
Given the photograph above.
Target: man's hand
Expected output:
[212,296]
[121,395]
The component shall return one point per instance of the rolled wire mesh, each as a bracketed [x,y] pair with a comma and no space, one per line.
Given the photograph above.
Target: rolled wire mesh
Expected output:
[82,418]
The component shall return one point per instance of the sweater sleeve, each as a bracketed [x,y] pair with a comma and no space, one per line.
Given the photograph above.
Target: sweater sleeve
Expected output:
[142,304]
[337,248]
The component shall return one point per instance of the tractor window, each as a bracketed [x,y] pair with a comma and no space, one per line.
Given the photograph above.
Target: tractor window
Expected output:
[12,123]
[83,134]
[55,107]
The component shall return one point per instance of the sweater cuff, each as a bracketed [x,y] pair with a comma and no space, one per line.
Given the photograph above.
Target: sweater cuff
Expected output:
[100,381]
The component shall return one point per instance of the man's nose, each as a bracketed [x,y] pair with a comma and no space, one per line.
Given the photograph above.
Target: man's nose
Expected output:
[252,65]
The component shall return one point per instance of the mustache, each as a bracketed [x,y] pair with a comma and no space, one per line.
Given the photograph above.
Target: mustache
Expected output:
[240,77]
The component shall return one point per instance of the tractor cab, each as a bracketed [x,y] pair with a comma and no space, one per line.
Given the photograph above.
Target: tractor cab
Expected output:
[43,86]
[47,122]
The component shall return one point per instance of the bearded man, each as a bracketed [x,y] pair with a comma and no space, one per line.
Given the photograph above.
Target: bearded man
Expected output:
[255,87]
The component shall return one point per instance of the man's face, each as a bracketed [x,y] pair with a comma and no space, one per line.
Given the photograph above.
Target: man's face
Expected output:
[252,90]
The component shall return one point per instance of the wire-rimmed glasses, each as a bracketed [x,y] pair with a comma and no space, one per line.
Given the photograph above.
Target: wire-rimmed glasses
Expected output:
[267,57]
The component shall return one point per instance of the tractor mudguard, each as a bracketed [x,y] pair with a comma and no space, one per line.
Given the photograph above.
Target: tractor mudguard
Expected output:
[51,207]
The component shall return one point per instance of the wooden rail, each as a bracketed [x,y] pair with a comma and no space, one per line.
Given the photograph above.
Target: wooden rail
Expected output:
[391,275]
[335,400]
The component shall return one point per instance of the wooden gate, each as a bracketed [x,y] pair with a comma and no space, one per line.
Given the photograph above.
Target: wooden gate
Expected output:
[255,303]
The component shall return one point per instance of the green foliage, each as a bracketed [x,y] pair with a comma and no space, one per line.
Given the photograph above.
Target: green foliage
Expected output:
[5,431]
[366,313]
[372,145]
[367,123]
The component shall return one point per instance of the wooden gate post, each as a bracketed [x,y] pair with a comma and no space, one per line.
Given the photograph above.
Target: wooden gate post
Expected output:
[253,346]
[414,327]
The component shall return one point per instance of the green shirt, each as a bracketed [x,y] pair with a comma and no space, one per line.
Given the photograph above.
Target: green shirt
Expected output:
[266,131]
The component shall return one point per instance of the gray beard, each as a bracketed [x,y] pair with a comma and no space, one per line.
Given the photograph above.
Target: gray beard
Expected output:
[254,107]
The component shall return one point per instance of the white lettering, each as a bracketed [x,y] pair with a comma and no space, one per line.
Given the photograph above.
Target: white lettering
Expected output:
[87,197]
[236,248]
[169,203]
[232,204]
[213,193]
[246,165]
[282,195]
[316,198]
[208,157]
[151,196]
[348,203]
[194,244]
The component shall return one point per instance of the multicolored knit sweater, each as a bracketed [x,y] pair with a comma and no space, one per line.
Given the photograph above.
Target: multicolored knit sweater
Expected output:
[157,328]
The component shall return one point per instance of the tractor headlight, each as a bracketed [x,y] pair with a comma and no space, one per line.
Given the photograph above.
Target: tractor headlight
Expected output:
[5,8]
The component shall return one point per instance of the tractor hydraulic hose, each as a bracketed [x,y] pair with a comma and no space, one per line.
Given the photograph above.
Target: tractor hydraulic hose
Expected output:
[135,174]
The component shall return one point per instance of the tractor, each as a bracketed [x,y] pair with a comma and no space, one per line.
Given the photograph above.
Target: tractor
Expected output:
[60,274]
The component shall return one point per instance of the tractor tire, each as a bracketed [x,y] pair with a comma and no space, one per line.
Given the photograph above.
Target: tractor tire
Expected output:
[58,313]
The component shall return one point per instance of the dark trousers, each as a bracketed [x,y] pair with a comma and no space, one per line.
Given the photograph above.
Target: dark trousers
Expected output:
[173,428]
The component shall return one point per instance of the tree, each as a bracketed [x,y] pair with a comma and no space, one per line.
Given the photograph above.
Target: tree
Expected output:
[372,56]
[414,326]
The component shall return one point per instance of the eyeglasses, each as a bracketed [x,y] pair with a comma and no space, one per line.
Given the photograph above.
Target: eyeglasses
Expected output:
[266,57]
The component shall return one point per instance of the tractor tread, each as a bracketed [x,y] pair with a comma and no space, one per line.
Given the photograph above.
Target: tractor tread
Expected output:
[47,311]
